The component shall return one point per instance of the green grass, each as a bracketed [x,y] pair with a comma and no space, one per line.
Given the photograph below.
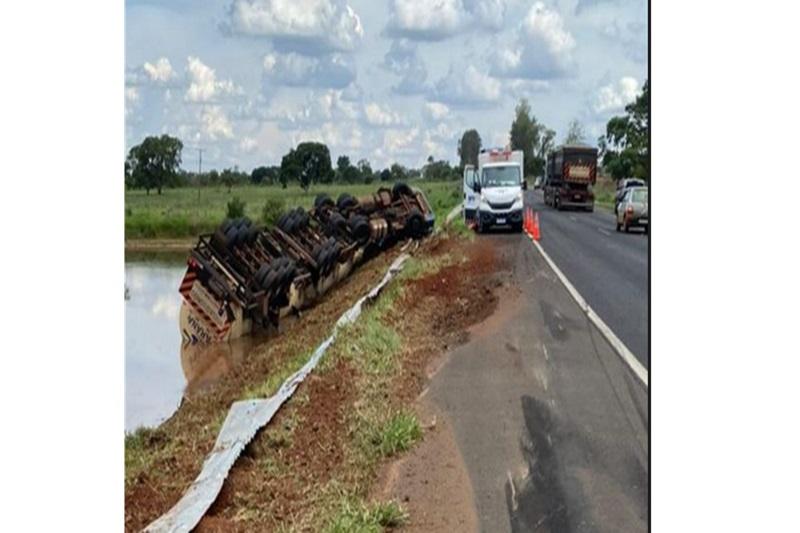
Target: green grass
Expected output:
[189,211]
[354,516]
[142,448]
[604,193]
[396,434]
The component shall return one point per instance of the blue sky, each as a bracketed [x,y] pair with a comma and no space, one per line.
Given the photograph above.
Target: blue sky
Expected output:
[385,80]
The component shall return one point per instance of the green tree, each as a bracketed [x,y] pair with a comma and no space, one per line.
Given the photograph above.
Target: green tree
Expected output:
[532,137]
[625,147]
[258,175]
[386,174]
[365,170]
[468,148]
[290,168]
[154,163]
[575,133]
[315,163]
[342,164]
[397,172]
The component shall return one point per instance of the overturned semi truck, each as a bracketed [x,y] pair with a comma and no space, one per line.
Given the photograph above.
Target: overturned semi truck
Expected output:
[243,278]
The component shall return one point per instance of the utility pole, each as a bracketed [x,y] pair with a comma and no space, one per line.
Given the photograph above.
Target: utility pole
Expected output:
[199,171]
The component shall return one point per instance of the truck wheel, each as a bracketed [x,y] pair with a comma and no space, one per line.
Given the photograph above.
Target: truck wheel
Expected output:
[359,226]
[557,203]
[626,227]
[401,189]
[590,209]
[619,226]
[323,200]
[345,202]
[415,224]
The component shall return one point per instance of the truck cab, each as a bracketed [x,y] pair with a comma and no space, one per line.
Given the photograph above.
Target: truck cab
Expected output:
[499,189]
[470,196]
[571,171]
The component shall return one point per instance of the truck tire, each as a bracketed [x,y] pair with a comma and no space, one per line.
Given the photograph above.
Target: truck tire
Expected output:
[359,227]
[345,202]
[415,224]
[401,189]
[322,201]
[619,226]
[557,203]
[336,226]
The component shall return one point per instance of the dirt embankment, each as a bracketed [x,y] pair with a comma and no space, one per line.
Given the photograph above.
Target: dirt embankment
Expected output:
[288,473]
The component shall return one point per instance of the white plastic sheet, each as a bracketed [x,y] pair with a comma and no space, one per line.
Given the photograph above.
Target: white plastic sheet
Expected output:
[244,420]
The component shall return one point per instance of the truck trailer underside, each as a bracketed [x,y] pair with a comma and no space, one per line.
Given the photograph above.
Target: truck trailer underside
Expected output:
[242,278]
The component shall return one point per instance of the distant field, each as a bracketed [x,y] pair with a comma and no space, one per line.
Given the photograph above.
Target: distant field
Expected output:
[187,212]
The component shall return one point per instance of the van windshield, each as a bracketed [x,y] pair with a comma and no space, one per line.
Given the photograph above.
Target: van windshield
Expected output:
[507,176]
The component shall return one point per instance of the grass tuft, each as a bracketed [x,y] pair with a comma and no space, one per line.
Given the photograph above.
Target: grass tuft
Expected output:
[396,434]
[357,517]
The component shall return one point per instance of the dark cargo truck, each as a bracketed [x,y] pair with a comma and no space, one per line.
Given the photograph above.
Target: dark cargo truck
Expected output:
[569,174]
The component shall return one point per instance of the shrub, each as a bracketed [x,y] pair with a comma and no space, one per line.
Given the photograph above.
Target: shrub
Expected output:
[235,208]
[272,210]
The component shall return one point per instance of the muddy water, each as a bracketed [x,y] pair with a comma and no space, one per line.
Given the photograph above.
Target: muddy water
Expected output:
[154,378]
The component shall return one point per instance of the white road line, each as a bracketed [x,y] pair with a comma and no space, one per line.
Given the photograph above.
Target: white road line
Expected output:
[604,232]
[623,351]
[572,218]
[546,355]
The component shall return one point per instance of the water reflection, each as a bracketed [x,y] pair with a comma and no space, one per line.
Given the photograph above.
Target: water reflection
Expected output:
[159,368]
[154,379]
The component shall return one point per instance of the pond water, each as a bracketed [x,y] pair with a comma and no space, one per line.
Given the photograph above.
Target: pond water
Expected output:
[154,378]
[159,368]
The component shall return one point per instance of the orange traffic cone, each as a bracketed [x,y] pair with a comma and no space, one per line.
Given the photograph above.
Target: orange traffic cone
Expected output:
[536,234]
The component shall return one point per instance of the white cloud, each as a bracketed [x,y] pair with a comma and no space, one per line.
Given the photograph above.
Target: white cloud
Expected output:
[614,97]
[467,87]
[419,19]
[436,110]
[215,123]
[300,25]
[402,59]
[166,306]
[131,95]
[161,71]
[377,115]
[295,70]
[341,137]
[203,85]
[435,20]
[396,142]
[248,145]
[542,49]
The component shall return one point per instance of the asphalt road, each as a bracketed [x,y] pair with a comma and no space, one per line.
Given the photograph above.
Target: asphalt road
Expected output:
[609,269]
[551,424]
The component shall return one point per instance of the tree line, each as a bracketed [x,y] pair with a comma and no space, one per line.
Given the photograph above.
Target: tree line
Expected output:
[154,164]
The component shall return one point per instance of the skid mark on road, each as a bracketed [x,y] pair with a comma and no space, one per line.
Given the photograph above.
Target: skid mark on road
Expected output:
[539,503]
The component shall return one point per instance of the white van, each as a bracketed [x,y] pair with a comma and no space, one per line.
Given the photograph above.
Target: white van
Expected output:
[470,196]
[499,189]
